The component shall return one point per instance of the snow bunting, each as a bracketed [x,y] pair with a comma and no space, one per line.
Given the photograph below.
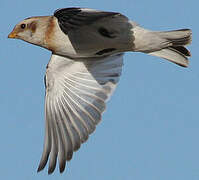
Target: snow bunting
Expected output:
[86,63]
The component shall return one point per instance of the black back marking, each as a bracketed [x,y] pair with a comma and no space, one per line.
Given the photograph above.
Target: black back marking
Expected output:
[104,51]
[104,32]
[74,18]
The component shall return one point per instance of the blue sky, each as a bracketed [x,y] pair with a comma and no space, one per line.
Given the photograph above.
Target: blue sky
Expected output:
[150,130]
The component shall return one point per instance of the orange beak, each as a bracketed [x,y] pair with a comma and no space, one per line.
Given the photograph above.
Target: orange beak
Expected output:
[13,34]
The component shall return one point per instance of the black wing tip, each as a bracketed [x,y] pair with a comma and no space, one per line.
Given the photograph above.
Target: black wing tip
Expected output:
[69,155]
[52,165]
[41,166]
[62,167]
[43,162]
[40,169]
[51,170]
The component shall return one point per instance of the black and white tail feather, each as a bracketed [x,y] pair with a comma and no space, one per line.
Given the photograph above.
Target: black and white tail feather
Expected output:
[176,52]
[169,45]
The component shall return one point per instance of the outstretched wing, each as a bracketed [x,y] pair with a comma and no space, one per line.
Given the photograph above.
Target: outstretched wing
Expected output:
[76,92]
[74,18]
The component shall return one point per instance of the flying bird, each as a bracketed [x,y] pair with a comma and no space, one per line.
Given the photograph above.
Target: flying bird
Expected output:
[87,57]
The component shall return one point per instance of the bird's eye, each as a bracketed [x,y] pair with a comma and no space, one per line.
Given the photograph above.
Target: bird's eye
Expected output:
[23,26]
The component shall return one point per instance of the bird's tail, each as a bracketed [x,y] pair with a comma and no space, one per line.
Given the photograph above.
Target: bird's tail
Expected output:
[176,52]
[169,45]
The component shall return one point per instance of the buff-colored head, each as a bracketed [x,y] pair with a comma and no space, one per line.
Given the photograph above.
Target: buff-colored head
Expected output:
[31,30]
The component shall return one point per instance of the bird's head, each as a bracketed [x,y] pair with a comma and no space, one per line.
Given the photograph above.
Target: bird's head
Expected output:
[31,30]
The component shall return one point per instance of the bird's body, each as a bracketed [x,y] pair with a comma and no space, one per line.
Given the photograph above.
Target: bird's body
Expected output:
[87,57]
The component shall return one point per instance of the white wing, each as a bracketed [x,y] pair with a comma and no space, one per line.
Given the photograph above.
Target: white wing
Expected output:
[76,92]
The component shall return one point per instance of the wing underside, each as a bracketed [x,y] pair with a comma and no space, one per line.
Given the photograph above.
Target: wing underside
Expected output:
[76,93]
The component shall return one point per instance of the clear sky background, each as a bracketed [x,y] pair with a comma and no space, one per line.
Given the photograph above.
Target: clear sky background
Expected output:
[150,130]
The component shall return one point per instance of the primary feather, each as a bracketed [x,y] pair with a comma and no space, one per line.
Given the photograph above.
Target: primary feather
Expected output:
[76,95]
